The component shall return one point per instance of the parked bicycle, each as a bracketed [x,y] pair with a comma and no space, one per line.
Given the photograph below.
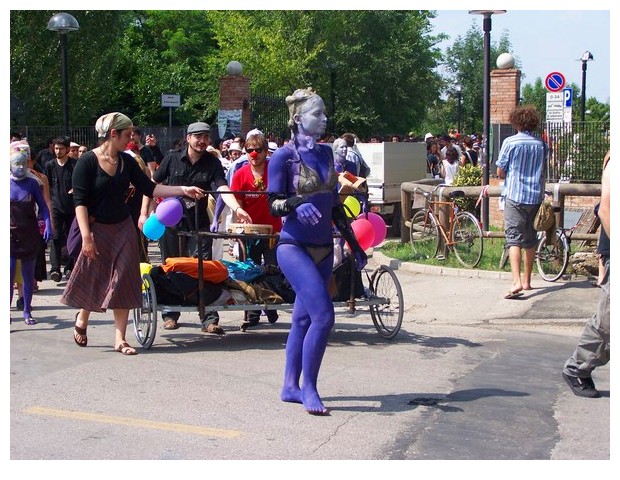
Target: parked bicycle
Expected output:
[551,256]
[465,234]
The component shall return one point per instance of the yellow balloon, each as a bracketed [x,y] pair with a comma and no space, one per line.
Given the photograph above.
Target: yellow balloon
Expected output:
[354,206]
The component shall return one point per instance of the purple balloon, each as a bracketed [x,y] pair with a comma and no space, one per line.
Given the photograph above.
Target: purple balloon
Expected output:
[378,225]
[169,212]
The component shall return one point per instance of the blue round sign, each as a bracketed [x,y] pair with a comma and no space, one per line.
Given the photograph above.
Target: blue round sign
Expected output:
[555,82]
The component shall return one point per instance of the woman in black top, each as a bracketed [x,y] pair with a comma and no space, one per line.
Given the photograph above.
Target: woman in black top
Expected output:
[107,273]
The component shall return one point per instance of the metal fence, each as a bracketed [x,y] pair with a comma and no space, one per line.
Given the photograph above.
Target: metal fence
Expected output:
[269,114]
[576,149]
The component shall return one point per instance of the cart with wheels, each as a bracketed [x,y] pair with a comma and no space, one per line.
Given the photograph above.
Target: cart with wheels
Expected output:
[382,298]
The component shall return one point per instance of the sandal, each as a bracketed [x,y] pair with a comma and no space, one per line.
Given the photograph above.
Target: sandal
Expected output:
[213,328]
[79,334]
[30,321]
[126,349]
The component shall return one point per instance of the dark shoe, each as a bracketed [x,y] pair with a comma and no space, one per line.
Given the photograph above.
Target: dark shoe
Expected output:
[253,319]
[55,277]
[170,324]
[213,328]
[67,274]
[20,303]
[272,316]
[582,387]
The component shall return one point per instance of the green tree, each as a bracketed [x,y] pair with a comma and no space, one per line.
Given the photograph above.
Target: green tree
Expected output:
[464,65]
[36,90]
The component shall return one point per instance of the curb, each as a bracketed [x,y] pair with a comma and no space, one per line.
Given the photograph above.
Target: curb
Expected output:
[411,267]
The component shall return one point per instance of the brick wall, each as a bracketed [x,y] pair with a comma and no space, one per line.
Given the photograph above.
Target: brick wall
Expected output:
[234,92]
[505,93]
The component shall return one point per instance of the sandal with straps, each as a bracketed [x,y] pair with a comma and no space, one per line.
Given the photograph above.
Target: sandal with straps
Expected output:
[79,334]
[126,349]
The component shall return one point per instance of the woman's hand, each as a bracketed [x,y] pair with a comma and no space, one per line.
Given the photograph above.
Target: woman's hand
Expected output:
[308,214]
[89,249]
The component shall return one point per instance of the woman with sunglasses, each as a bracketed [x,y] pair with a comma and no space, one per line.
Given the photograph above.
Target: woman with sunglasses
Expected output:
[252,177]
[303,188]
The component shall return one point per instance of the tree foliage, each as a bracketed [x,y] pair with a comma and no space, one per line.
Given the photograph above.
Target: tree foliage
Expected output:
[381,64]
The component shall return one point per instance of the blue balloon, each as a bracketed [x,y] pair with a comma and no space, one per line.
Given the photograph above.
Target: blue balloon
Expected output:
[153,229]
[169,212]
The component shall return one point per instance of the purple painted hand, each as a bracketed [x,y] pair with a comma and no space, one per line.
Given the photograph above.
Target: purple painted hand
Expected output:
[308,214]
[361,259]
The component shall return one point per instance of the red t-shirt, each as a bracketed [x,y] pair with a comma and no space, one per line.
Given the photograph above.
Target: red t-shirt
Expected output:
[255,204]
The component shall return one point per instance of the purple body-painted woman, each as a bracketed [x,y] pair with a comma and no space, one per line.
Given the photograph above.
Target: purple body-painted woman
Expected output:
[26,195]
[303,189]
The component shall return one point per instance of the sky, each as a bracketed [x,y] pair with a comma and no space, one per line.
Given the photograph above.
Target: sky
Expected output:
[545,41]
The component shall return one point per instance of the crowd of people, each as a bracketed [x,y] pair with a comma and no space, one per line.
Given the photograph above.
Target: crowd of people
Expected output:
[107,194]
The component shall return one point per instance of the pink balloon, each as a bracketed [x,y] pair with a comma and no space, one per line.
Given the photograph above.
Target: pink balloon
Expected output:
[379,226]
[364,232]
[169,212]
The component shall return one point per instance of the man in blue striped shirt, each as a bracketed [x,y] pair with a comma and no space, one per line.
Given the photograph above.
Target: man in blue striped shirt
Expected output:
[521,162]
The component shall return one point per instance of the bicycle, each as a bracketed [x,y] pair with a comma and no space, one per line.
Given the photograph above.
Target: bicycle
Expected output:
[551,257]
[465,237]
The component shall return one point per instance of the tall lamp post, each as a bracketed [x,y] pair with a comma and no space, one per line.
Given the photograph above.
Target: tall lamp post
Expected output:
[459,95]
[486,109]
[584,66]
[63,23]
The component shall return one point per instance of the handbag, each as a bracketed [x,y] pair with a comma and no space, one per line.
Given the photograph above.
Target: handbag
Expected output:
[545,218]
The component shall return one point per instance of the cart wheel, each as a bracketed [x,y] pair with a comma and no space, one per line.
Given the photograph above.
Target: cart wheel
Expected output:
[145,318]
[387,316]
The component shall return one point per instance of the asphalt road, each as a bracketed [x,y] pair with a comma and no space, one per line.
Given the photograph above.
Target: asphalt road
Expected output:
[470,376]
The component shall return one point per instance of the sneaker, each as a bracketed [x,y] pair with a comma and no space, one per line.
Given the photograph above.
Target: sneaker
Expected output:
[272,316]
[55,276]
[20,303]
[67,274]
[582,387]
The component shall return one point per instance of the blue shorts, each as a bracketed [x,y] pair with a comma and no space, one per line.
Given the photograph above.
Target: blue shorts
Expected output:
[519,224]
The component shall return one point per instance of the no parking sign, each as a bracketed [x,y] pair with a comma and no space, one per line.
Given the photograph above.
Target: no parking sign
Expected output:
[555,82]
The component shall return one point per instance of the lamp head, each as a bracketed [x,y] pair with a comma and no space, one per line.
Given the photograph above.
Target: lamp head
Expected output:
[63,23]
[587,56]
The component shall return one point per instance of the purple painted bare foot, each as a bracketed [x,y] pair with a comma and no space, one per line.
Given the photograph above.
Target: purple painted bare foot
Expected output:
[292,395]
[313,404]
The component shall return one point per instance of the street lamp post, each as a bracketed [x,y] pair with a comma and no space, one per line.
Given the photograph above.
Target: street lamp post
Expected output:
[63,23]
[486,109]
[584,66]
[459,95]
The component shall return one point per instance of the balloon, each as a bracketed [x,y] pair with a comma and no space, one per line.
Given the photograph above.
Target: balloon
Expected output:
[378,225]
[364,232]
[153,229]
[169,212]
[353,205]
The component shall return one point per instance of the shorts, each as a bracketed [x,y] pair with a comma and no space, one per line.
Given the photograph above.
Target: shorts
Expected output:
[519,224]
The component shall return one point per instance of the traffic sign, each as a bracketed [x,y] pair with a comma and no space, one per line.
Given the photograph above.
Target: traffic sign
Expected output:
[568,97]
[170,100]
[555,82]
[555,107]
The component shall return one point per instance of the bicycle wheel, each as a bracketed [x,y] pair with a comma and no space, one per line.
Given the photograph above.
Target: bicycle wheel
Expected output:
[424,236]
[505,256]
[387,316]
[552,260]
[467,239]
[145,317]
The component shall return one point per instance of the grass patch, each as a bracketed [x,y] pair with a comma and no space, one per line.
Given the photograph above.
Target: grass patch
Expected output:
[491,255]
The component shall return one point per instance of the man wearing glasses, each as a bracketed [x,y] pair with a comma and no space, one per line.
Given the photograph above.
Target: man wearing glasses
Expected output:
[193,166]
